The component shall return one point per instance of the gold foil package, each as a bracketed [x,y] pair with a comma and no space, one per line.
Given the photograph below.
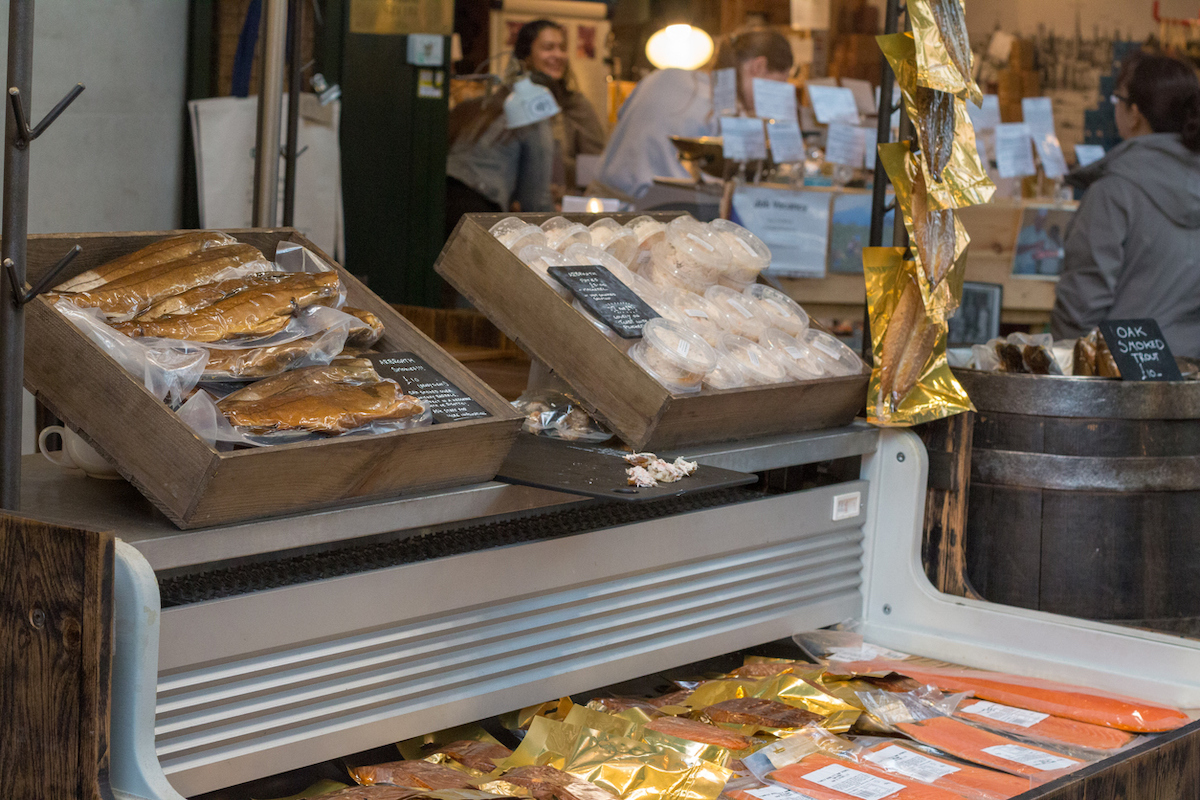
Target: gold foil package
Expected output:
[911,382]
[963,180]
[943,50]
[939,241]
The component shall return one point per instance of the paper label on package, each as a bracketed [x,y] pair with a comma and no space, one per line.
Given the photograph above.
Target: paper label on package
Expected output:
[1007,714]
[725,92]
[833,104]
[701,242]
[854,783]
[1039,116]
[1030,758]
[783,310]
[743,138]
[754,359]
[913,765]
[745,245]
[864,652]
[683,348]
[697,313]
[794,352]
[1014,155]
[846,144]
[777,793]
[741,309]
[787,143]
[774,100]
[828,350]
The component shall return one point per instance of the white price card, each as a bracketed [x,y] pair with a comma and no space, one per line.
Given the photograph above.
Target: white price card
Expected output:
[987,117]
[1039,116]
[743,138]
[426,49]
[794,224]
[864,95]
[846,144]
[787,144]
[1088,153]
[910,764]
[853,782]
[1037,759]
[1014,151]
[777,793]
[725,92]
[774,100]
[833,104]
[1007,714]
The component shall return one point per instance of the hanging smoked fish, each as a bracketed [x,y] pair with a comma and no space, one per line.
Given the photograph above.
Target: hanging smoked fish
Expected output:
[907,346]
[935,119]
[952,26]
[933,233]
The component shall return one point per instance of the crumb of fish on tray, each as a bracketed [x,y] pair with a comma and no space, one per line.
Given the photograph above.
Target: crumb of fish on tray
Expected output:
[649,470]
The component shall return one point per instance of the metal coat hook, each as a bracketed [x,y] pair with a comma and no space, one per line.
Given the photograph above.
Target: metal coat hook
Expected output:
[20,296]
[25,134]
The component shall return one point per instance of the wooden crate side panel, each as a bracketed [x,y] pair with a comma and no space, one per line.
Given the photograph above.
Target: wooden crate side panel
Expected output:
[764,411]
[56,648]
[528,311]
[293,478]
[86,387]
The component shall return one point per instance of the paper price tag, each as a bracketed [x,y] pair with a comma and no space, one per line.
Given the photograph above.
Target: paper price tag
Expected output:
[1039,116]
[1007,714]
[725,92]
[913,765]
[986,117]
[1088,153]
[787,144]
[846,144]
[775,100]
[833,104]
[1014,155]
[1029,757]
[743,138]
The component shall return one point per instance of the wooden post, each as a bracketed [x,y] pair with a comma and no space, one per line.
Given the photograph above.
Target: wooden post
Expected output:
[56,628]
[943,546]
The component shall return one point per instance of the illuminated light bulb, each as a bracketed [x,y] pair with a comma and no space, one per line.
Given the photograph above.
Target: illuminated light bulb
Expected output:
[595,205]
[680,46]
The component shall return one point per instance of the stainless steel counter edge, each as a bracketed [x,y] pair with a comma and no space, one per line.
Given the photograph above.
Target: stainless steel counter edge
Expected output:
[68,497]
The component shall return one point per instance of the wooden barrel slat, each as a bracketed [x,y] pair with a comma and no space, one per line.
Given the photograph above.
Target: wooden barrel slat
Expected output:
[1085,496]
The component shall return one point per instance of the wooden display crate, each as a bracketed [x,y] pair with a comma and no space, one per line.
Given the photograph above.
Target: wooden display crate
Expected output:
[626,399]
[197,486]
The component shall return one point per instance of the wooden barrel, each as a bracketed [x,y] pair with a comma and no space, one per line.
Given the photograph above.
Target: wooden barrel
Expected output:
[1085,497]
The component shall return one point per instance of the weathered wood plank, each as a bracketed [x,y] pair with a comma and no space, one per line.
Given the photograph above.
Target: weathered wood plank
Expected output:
[56,650]
[943,546]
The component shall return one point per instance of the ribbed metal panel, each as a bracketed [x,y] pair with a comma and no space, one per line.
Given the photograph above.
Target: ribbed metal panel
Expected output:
[712,581]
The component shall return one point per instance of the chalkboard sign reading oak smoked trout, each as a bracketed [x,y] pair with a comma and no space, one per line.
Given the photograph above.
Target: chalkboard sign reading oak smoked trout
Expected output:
[448,402]
[1140,350]
[614,303]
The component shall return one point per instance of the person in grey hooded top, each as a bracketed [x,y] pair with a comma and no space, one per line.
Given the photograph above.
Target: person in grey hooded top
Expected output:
[1133,248]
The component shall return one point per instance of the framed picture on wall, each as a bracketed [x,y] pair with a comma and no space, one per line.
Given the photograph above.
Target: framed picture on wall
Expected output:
[978,317]
[1038,252]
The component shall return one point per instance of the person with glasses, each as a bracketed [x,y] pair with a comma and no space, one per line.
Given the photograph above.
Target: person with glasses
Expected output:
[1132,250]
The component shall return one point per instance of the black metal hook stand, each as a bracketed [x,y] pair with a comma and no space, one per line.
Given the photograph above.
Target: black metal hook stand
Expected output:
[13,295]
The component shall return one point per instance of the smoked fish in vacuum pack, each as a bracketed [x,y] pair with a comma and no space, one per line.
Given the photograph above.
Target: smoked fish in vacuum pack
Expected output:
[152,255]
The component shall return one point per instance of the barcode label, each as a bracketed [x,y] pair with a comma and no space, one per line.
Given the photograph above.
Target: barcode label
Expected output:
[1013,716]
[1037,759]
[854,783]
[913,765]
[683,348]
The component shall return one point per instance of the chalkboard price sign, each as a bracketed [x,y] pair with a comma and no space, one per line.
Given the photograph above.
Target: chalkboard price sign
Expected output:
[449,403]
[614,303]
[1140,350]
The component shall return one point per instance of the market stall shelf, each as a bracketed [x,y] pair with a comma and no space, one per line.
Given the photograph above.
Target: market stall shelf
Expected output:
[194,484]
[624,396]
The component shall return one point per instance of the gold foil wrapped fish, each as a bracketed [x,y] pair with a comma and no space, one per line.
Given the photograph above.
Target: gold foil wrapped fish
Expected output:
[911,382]
[943,49]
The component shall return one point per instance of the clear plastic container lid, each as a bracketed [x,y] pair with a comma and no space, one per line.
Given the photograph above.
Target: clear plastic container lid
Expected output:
[701,314]
[786,314]
[580,254]
[668,267]
[727,375]
[516,234]
[756,362]
[561,233]
[637,354]
[750,255]
[742,314]
[540,258]
[698,246]
[797,357]
[615,238]
[647,230]
[836,358]
[675,355]
[650,294]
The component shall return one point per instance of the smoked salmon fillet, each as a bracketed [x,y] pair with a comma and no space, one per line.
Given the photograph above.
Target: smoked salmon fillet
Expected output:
[693,731]
[1049,697]
[975,783]
[989,749]
[415,774]
[819,776]
[1055,730]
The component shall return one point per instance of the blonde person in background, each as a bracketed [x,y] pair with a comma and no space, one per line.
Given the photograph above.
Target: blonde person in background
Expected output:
[541,47]
[679,102]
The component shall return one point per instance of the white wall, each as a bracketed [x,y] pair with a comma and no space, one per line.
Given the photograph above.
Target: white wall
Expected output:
[1132,17]
[114,160]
